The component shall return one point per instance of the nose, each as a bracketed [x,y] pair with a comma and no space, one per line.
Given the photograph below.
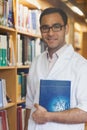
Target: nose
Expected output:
[50,32]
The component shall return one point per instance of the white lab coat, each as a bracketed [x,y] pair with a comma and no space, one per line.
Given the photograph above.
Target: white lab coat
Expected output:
[69,66]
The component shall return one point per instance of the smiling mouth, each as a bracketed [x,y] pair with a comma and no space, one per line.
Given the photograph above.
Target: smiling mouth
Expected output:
[51,40]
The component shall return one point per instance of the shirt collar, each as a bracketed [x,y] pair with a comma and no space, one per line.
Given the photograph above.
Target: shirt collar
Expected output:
[59,52]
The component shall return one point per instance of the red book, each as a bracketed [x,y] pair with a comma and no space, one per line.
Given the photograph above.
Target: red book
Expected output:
[4,120]
[19,118]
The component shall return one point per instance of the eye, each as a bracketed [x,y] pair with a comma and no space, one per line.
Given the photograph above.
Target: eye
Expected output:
[57,25]
[44,27]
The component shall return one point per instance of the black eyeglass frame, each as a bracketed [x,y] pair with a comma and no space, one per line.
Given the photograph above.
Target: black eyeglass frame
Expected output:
[55,28]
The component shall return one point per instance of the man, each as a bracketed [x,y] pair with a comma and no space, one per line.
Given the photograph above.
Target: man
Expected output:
[58,62]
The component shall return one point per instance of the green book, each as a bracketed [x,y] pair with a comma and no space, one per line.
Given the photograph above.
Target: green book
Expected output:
[0,57]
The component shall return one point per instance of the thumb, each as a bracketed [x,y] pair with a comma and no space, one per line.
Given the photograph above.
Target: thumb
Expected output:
[36,105]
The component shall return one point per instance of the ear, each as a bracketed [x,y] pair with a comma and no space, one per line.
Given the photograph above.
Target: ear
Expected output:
[67,29]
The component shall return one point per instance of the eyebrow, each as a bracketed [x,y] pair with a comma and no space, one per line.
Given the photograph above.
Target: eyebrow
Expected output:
[51,25]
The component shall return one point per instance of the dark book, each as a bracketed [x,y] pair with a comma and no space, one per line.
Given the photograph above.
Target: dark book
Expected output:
[23,78]
[55,95]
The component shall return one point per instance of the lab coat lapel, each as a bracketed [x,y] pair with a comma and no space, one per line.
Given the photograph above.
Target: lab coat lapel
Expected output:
[62,61]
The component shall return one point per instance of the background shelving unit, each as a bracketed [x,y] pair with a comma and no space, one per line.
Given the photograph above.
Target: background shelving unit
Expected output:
[9,73]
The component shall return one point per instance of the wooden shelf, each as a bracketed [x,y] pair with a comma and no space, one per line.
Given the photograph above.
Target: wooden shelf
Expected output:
[20,101]
[5,28]
[28,4]
[28,34]
[9,105]
[6,67]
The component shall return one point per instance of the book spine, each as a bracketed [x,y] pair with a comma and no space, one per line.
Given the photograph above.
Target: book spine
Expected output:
[4,119]
[1,11]
[3,100]
[1,95]
[10,14]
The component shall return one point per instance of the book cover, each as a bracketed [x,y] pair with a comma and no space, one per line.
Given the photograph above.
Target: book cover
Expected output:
[55,95]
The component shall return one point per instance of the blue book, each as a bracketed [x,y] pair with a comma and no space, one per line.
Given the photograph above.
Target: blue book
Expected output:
[55,95]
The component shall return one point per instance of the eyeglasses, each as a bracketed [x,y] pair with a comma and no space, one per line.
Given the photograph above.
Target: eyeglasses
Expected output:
[55,28]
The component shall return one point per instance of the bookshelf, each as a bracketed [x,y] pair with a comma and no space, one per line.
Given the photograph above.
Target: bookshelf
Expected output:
[10,71]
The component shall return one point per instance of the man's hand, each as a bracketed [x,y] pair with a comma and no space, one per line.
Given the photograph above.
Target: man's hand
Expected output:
[39,115]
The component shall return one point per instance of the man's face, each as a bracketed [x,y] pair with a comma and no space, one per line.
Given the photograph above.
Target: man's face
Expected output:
[54,39]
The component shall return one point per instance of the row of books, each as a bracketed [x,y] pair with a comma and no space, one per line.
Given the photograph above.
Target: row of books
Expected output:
[21,86]
[6,13]
[7,57]
[28,49]
[4,123]
[20,117]
[27,19]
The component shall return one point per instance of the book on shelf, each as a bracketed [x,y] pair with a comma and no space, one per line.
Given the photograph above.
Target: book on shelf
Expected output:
[1,11]
[23,117]
[7,57]
[3,50]
[19,50]
[27,19]
[27,49]
[11,51]
[1,123]
[0,52]
[1,96]
[23,85]
[4,120]
[19,85]
[10,14]
[20,117]
[3,100]
[6,13]
[55,95]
